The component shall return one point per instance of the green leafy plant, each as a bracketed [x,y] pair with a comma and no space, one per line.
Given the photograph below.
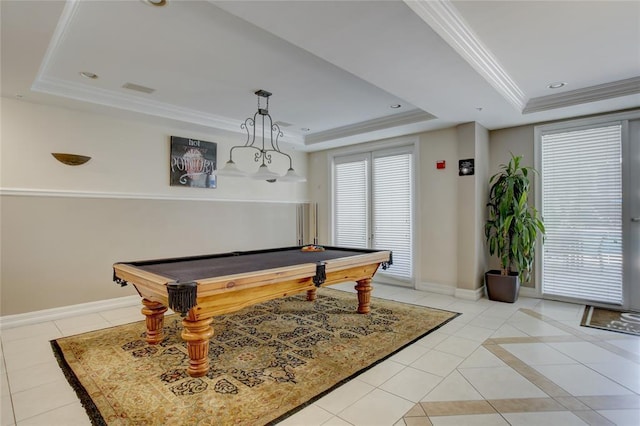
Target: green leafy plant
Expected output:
[512,226]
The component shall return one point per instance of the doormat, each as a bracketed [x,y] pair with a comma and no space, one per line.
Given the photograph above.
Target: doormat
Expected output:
[607,319]
[266,361]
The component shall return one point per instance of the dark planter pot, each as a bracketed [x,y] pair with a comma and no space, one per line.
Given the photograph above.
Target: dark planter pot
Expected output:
[502,288]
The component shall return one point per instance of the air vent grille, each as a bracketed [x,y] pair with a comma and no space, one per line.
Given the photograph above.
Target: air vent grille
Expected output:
[138,88]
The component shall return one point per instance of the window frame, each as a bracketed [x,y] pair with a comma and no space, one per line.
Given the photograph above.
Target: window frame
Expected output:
[621,118]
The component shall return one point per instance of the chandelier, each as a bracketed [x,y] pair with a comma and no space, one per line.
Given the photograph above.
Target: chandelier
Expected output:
[263,152]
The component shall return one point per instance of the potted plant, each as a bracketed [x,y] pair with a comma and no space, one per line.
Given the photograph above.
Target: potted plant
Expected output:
[511,230]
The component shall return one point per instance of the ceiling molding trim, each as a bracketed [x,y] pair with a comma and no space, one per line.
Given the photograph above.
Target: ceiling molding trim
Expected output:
[396,120]
[615,89]
[445,20]
[128,102]
[81,92]
[69,11]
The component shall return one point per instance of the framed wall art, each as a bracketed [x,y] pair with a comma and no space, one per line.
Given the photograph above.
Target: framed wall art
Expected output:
[466,167]
[193,163]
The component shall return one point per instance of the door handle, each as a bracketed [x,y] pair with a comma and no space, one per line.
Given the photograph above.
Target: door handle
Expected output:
[635,219]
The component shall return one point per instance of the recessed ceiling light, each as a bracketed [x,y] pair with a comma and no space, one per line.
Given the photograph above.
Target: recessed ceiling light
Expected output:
[155,2]
[556,85]
[395,106]
[87,74]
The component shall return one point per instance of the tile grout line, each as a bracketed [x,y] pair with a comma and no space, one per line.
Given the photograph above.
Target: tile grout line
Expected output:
[584,336]
[555,392]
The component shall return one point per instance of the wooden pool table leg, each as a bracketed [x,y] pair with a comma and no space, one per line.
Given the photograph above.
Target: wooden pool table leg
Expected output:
[364,295]
[311,295]
[154,315]
[197,335]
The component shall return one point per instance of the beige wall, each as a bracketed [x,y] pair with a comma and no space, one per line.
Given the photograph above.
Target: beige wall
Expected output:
[67,225]
[436,221]
[466,209]
[516,140]
[438,206]
[58,251]
[128,157]
[62,227]
[473,142]
[504,142]
[482,194]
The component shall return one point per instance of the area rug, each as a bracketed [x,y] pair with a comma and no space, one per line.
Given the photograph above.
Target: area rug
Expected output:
[606,319]
[267,361]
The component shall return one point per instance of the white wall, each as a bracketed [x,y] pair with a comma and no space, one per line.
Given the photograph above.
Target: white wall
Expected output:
[62,227]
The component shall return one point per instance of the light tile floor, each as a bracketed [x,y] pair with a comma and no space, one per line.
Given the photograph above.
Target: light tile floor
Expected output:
[528,363]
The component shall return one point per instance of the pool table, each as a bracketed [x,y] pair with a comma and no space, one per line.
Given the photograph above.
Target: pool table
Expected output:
[201,287]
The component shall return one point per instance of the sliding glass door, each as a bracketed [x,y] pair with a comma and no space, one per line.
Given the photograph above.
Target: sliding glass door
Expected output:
[582,210]
[590,196]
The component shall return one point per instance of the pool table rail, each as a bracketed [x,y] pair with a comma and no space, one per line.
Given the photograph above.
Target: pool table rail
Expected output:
[199,300]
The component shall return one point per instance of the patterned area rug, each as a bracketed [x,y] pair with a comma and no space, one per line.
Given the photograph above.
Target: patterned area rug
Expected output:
[267,361]
[606,319]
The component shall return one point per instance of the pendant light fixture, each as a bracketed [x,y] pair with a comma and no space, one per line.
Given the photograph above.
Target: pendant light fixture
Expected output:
[263,151]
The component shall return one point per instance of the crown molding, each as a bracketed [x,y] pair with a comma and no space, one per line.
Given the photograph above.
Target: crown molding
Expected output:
[402,119]
[68,13]
[82,92]
[445,20]
[615,89]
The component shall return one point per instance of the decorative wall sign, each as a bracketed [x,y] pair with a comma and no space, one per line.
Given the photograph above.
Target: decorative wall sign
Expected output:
[193,163]
[466,167]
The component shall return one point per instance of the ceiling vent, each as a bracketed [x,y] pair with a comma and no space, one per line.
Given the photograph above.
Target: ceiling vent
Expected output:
[283,124]
[138,88]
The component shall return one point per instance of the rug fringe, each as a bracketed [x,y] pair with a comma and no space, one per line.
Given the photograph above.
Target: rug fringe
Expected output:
[86,401]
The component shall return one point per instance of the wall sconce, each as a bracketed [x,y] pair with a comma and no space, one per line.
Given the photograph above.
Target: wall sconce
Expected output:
[70,159]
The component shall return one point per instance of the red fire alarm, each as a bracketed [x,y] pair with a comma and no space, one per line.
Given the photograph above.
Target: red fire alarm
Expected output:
[441,164]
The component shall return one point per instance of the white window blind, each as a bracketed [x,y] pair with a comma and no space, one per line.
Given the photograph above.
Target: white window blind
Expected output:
[392,195]
[351,204]
[373,205]
[582,210]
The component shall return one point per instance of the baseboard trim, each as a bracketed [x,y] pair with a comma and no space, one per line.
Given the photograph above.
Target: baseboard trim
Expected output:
[529,292]
[35,317]
[449,290]
[462,293]
[437,288]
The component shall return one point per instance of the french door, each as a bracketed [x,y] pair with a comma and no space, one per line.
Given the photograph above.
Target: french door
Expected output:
[632,213]
[373,199]
[590,200]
